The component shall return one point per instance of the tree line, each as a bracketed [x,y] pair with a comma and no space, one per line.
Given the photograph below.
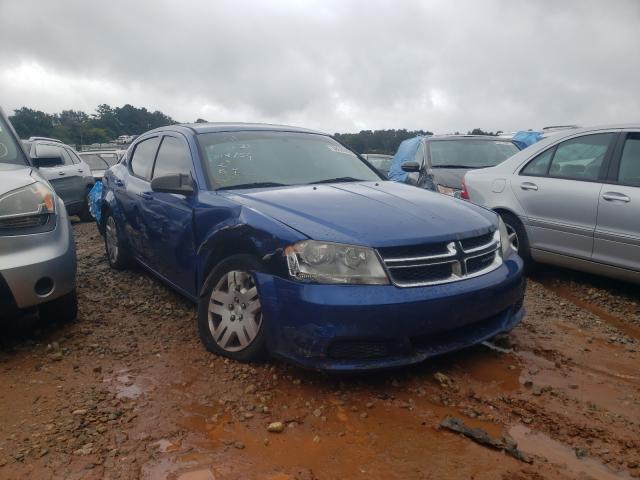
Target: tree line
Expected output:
[76,127]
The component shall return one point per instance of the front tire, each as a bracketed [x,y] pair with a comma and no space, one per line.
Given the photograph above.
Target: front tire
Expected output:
[62,310]
[116,252]
[230,321]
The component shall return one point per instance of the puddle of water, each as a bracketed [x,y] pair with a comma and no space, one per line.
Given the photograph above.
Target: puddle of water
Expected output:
[538,444]
[627,328]
[201,474]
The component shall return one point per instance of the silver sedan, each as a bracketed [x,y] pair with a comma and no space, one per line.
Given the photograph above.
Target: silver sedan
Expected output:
[571,200]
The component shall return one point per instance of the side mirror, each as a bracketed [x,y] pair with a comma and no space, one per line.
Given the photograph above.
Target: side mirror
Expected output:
[47,162]
[410,167]
[176,183]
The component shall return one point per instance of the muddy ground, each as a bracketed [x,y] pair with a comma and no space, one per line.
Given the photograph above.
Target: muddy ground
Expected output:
[128,392]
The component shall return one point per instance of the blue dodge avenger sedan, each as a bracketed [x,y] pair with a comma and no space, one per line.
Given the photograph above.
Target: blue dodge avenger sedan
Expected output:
[293,245]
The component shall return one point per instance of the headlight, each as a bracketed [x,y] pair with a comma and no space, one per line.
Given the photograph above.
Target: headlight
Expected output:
[505,244]
[325,262]
[26,207]
[447,190]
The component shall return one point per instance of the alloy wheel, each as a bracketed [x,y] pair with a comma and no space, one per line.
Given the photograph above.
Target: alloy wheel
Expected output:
[111,237]
[513,236]
[235,314]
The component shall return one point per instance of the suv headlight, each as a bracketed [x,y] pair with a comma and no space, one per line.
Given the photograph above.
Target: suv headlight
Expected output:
[505,244]
[326,262]
[26,207]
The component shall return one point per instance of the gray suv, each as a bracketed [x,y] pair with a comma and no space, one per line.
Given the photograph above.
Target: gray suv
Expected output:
[37,250]
[572,199]
[70,176]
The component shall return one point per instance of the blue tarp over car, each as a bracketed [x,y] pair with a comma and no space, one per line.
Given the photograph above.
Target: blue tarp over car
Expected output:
[406,152]
[525,138]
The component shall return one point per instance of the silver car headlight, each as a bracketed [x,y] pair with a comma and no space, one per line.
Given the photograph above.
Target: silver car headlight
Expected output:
[505,244]
[325,262]
[28,206]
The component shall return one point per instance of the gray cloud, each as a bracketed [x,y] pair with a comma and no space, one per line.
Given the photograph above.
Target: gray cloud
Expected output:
[333,65]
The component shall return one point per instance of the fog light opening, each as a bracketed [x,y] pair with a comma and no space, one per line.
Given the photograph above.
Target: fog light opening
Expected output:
[44,286]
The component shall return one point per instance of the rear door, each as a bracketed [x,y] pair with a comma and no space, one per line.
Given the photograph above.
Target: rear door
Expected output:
[559,191]
[617,235]
[170,235]
[65,179]
[134,196]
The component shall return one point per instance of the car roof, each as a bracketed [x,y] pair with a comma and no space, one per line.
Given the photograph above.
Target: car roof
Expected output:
[465,137]
[213,127]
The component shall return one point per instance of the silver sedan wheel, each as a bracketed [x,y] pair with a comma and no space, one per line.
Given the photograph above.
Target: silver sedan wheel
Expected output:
[235,315]
[111,236]
[513,236]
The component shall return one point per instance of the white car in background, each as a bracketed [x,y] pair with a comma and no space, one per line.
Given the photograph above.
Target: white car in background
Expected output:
[572,199]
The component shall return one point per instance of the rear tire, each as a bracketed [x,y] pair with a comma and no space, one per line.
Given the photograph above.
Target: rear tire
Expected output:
[230,320]
[518,237]
[116,252]
[85,213]
[61,310]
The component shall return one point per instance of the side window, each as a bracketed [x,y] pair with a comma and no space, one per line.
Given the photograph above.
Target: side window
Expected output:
[580,158]
[629,173]
[420,155]
[539,165]
[73,155]
[173,157]
[143,155]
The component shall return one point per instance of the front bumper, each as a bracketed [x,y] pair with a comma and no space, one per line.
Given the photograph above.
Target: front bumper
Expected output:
[357,327]
[27,259]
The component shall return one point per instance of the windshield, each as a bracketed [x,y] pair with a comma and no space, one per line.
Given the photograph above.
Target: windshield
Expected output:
[254,159]
[10,152]
[470,153]
[381,162]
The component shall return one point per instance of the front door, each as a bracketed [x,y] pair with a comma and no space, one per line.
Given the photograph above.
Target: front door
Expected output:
[559,191]
[170,236]
[617,236]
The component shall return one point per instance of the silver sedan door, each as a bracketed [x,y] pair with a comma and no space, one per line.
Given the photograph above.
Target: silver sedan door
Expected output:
[559,191]
[617,236]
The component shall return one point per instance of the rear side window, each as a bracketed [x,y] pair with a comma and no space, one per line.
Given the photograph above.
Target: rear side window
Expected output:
[173,157]
[73,155]
[539,165]
[629,173]
[142,159]
[580,158]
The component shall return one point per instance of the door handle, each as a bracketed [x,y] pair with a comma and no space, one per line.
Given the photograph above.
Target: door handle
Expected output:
[616,197]
[146,195]
[61,173]
[80,170]
[528,186]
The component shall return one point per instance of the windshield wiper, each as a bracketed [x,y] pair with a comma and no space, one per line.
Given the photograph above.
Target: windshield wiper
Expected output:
[337,180]
[253,185]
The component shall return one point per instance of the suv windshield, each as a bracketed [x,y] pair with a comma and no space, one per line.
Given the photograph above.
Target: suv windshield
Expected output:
[10,152]
[470,153]
[262,159]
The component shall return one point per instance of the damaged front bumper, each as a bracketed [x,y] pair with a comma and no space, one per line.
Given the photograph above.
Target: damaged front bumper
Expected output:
[362,327]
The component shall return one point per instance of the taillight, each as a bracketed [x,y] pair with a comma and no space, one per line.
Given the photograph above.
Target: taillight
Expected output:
[464,193]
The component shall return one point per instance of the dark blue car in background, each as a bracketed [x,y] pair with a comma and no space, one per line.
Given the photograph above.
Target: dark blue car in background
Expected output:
[293,245]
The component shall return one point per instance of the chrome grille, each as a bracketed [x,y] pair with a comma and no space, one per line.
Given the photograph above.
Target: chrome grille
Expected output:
[419,265]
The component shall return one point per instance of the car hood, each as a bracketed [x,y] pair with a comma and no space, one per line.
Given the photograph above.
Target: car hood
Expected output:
[376,214]
[12,178]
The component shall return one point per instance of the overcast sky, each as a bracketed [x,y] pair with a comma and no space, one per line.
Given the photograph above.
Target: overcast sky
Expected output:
[338,66]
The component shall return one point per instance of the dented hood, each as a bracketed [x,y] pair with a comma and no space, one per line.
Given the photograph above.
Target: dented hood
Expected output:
[369,213]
